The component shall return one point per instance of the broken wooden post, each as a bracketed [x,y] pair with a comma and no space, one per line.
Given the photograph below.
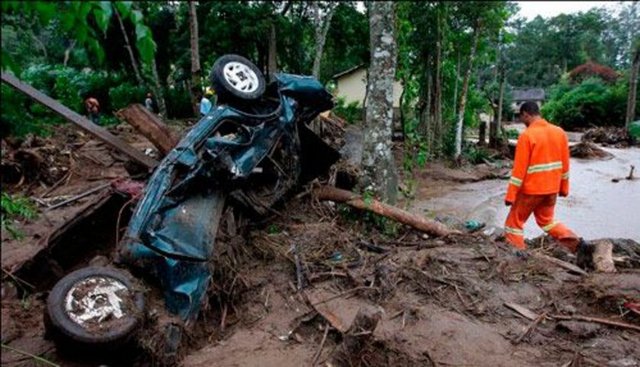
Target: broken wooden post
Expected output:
[150,126]
[356,339]
[71,116]
[423,224]
[603,256]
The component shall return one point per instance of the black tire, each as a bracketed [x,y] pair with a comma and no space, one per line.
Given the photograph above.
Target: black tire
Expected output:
[113,332]
[224,86]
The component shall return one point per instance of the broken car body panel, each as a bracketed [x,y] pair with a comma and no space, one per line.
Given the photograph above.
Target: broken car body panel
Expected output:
[172,232]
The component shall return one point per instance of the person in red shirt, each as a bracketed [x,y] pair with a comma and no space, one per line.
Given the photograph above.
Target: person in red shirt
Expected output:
[93,109]
[540,173]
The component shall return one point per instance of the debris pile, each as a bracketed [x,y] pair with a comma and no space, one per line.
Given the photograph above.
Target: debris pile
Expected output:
[589,150]
[39,166]
[324,281]
[617,137]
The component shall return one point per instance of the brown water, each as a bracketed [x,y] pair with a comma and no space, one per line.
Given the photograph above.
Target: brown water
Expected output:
[595,208]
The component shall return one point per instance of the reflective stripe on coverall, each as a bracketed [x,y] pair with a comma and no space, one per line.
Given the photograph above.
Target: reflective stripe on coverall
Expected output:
[540,172]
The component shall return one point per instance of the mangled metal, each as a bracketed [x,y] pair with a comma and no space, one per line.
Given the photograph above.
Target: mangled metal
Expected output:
[172,232]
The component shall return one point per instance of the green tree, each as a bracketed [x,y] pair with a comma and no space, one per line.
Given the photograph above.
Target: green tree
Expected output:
[86,22]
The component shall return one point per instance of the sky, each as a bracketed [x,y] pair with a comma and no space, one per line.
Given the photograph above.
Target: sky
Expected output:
[531,9]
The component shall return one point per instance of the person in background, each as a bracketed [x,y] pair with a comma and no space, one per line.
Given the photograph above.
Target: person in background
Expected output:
[148,102]
[93,109]
[540,173]
[205,102]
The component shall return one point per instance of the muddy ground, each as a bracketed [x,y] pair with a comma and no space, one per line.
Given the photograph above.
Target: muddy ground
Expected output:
[441,301]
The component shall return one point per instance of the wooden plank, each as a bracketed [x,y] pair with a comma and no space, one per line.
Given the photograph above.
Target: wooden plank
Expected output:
[88,126]
[522,310]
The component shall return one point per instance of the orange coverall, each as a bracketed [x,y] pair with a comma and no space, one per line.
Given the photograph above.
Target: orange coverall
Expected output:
[540,173]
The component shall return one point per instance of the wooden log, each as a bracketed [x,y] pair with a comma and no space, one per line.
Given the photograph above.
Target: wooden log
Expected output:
[560,263]
[420,223]
[150,126]
[71,116]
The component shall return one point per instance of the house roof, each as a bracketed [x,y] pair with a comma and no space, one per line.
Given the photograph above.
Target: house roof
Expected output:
[348,71]
[529,94]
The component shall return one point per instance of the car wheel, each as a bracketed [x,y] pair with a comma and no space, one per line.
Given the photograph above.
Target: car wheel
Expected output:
[234,77]
[98,308]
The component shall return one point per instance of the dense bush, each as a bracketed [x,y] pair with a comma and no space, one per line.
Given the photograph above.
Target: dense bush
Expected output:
[590,103]
[351,112]
[14,209]
[21,115]
[125,94]
[178,102]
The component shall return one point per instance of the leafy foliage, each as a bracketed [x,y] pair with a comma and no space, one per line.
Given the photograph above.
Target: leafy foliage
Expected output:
[590,103]
[13,208]
[351,112]
[21,115]
[125,94]
[511,133]
[545,49]
[72,49]
[591,70]
[88,21]
[475,154]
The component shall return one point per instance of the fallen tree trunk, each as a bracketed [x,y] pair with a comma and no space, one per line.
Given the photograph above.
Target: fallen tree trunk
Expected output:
[423,224]
[150,126]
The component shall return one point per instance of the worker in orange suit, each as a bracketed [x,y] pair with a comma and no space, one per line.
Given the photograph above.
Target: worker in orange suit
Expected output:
[540,173]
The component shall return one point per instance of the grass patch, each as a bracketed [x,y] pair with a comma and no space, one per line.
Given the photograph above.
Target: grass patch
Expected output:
[14,208]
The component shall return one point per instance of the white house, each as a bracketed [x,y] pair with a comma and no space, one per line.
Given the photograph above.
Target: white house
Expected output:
[351,85]
[522,95]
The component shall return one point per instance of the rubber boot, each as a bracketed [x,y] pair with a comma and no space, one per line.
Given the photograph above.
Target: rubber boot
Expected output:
[584,254]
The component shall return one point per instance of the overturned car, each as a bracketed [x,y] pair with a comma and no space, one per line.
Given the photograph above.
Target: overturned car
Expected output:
[251,150]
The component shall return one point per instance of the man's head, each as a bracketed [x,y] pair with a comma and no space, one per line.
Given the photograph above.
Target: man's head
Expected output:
[148,95]
[529,111]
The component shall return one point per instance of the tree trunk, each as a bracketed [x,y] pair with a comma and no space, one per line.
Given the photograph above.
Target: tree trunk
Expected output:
[482,133]
[365,100]
[162,107]
[272,62]
[463,93]
[402,117]
[426,120]
[322,28]
[127,45]
[378,165]
[633,87]
[428,126]
[437,87]
[496,126]
[195,57]
[67,53]
[455,85]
